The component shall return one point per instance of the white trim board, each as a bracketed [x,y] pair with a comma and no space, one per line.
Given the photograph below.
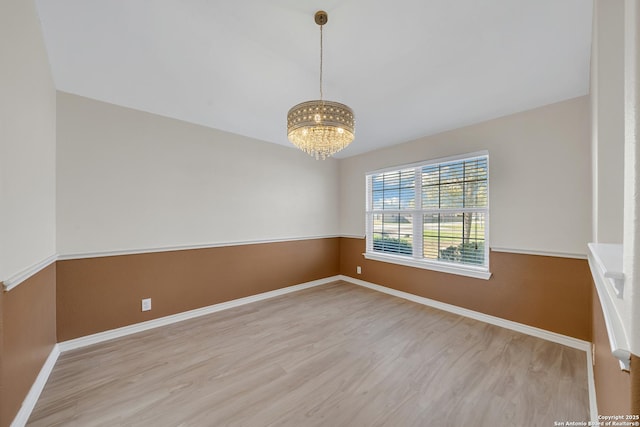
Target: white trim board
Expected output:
[354,236]
[591,384]
[31,399]
[191,314]
[32,270]
[135,251]
[539,253]
[508,250]
[493,320]
[14,280]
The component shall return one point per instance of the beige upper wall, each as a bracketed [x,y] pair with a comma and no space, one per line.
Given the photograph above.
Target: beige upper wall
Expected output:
[607,120]
[540,176]
[27,141]
[133,180]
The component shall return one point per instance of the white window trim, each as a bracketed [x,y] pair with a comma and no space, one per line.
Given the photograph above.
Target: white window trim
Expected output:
[416,260]
[441,266]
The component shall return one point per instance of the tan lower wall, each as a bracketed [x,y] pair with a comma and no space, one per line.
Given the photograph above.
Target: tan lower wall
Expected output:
[550,293]
[98,294]
[613,386]
[27,335]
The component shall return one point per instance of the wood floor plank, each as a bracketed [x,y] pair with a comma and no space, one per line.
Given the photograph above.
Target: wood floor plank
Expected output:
[334,355]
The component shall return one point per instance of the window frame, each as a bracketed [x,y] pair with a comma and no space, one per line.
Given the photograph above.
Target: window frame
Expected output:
[417,259]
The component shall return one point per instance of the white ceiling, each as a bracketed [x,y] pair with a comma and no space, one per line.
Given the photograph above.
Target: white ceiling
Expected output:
[408,68]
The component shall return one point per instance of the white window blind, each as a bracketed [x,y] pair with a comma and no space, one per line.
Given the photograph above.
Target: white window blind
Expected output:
[431,213]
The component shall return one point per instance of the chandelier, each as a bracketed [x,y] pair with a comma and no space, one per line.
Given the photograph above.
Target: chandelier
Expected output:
[320,128]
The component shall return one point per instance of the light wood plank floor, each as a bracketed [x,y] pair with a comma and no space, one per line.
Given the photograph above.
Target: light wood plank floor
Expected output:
[334,355]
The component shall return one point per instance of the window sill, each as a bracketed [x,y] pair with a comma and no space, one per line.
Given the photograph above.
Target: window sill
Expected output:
[475,272]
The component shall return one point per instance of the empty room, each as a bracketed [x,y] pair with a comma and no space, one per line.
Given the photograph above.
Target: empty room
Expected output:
[331,213]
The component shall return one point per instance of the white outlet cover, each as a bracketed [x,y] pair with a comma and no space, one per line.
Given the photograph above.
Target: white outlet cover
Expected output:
[146,304]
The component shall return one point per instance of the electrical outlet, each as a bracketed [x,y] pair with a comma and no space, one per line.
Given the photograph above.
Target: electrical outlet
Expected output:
[146,304]
[359,270]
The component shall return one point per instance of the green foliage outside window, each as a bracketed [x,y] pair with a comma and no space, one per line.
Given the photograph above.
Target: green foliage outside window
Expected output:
[465,253]
[392,245]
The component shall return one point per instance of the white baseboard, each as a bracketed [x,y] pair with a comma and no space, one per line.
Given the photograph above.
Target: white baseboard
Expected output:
[32,397]
[508,324]
[498,321]
[167,320]
[591,384]
[34,393]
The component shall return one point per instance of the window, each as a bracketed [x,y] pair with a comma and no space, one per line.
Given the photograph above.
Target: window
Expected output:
[432,215]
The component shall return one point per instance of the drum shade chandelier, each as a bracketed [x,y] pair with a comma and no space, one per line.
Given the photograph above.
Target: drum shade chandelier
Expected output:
[320,128]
